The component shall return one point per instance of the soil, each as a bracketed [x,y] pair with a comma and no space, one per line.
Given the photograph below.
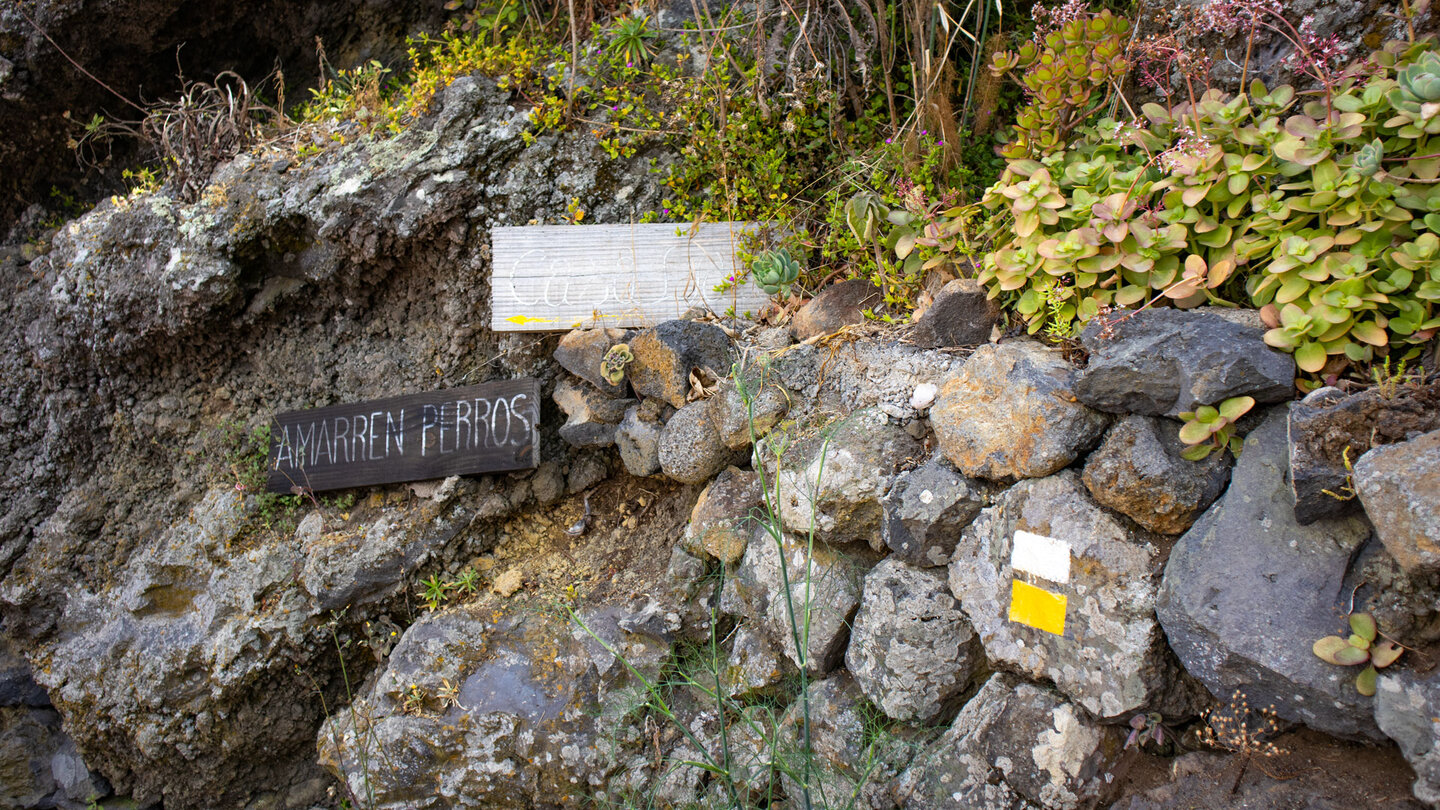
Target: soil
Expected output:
[1313,771]
[623,552]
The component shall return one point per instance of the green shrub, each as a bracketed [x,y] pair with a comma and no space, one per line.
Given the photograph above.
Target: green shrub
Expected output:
[1251,200]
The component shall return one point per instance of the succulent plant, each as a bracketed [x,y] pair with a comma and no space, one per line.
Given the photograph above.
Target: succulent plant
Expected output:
[1209,428]
[1416,95]
[1367,160]
[775,271]
[863,214]
[612,365]
[1085,57]
[1263,200]
[1360,648]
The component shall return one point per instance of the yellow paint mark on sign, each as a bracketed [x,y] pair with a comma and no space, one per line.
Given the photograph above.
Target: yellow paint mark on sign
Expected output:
[521,320]
[1037,607]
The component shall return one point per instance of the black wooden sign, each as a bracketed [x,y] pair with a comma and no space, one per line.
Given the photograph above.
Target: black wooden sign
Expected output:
[477,429]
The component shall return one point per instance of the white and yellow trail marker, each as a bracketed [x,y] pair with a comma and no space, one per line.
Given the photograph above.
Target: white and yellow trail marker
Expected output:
[1045,558]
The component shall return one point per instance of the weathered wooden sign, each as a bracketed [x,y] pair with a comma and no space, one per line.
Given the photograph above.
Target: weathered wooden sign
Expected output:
[476,429]
[560,277]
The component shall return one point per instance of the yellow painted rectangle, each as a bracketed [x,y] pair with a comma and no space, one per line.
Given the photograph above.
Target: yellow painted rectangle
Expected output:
[1037,607]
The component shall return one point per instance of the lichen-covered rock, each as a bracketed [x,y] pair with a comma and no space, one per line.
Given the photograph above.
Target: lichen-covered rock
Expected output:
[1014,746]
[847,767]
[1164,361]
[962,314]
[755,666]
[722,521]
[1407,709]
[927,508]
[911,650]
[208,629]
[1330,431]
[1248,590]
[637,437]
[833,482]
[476,708]
[693,593]
[1009,413]
[744,415]
[580,352]
[1138,471]
[820,579]
[837,306]
[690,450]
[1111,657]
[1400,487]
[666,354]
[591,416]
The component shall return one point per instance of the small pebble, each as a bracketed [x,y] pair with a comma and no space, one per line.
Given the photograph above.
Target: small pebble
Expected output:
[924,396]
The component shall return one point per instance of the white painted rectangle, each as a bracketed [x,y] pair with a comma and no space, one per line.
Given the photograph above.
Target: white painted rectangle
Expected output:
[561,277]
[1042,556]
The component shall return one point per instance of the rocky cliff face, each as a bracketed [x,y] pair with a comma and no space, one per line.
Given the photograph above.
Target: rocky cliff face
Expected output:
[141,49]
[151,328]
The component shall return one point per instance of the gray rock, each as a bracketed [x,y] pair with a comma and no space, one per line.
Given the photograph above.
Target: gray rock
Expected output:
[820,579]
[722,521]
[754,665]
[837,306]
[580,352]
[1407,709]
[39,766]
[962,314]
[848,767]
[911,650]
[1330,431]
[742,417]
[502,712]
[834,481]
[690,450]
[637,437]
[692,592]
[591,415]
[1014,746]
[1247,591]
[641,637]
[17,686]
[666,354]
[1138,471]
[1400,487]
[213,619]
[1163,361]
[1318,475]
[927,508]
[1111,658]
[1009,413]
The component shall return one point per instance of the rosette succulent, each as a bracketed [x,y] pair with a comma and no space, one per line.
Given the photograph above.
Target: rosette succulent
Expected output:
[612,365]
[1367,160]
[775,271]
[1416,97]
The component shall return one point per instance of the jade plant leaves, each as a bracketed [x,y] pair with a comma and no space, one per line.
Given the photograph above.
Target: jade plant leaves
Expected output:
[1336,650]
[1234,200]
